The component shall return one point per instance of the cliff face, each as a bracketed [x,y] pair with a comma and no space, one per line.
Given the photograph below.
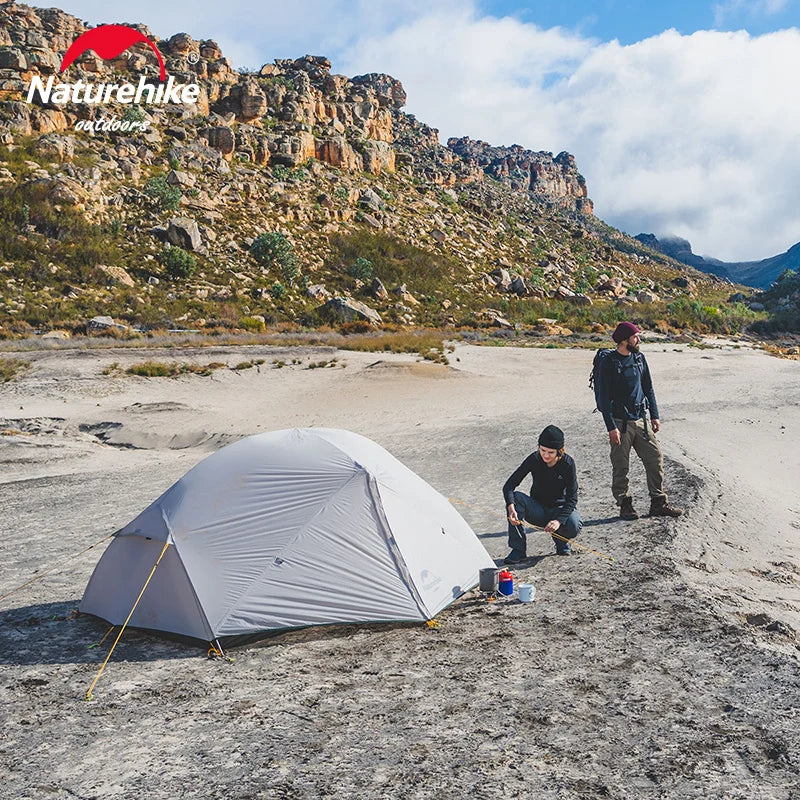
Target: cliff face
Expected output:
[288,112]
[552,179]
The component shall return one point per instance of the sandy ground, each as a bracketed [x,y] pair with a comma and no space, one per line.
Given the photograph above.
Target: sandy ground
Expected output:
[670,672]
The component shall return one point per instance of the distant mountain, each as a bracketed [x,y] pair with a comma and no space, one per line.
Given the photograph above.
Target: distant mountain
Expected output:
[760,274]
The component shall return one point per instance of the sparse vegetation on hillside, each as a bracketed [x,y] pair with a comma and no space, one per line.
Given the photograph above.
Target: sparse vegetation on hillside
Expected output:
[329,200]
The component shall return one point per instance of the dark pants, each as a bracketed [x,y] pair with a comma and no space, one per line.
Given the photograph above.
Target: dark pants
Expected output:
[532,511]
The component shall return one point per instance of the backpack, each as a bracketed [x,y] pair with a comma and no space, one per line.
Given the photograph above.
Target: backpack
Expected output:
[597,379]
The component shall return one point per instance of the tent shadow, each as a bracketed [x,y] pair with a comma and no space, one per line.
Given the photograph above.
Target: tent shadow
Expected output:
[53,633]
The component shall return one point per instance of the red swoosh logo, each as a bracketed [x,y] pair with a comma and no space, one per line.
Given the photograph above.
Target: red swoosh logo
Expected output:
[109,41]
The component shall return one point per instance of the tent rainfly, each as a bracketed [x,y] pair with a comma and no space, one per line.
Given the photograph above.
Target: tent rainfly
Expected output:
[309,526]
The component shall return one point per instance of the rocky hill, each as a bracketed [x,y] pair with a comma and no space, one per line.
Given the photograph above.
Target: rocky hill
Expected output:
[292,195]
[758,274]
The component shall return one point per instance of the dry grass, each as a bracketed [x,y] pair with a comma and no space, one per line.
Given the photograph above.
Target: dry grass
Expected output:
[10,368]
[162,369]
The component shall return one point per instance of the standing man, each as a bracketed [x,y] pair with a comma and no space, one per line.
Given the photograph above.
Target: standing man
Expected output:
[626,396]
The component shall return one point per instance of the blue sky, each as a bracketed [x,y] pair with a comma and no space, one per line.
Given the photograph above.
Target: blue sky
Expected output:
[683,116]
[630,21]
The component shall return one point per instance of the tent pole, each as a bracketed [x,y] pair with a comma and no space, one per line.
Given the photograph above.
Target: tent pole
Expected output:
[122,629]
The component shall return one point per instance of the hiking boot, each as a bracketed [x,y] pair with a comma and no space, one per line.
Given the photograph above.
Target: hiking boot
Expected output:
[659,507]
[563,549]
[514,557]
[626,509]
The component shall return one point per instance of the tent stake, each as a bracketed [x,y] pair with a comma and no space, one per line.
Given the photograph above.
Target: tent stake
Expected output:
[122,629]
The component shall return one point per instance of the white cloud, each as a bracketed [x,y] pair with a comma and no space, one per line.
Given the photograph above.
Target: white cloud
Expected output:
[688,135]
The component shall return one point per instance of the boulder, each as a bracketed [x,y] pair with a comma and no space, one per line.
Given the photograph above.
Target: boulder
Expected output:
[183,232]
[117,274]
[405,296]
[378,157]
[370,220]
[367,198]
[345,309]
[220,138]
[378,290]
[184,180]
[56,335]
[501,279]
[101,323]
[55,146]
[318,292]
[337,152]
[563,293]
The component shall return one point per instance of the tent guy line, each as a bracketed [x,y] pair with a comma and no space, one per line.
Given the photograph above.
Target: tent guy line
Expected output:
[571,542]
[53,569]
[122,629]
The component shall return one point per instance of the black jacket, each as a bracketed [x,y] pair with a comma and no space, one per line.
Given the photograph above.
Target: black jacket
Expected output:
[628,389]
[553,487]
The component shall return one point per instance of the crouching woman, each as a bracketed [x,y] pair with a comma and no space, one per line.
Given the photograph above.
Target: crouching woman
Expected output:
[553,499]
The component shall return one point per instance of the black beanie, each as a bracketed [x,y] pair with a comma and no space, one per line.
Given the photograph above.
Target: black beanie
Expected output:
[552,437]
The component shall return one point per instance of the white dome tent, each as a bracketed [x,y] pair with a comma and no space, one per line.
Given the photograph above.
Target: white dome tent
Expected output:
[309,526]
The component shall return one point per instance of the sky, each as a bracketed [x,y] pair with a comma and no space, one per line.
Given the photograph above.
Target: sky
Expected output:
[684,117]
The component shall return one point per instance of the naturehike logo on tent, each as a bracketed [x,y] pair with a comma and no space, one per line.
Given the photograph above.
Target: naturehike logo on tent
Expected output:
[109,42]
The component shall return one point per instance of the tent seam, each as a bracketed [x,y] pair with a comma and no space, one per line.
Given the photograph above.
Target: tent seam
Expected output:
[200,608]
[394,548]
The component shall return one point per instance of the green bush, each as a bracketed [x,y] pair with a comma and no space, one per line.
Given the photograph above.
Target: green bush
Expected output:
[361,269]
[252,324]
[278,290]
[178,263]
[273,249]
[133,114]
[162,195]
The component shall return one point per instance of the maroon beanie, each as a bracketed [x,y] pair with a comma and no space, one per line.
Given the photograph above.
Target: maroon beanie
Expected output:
[624,331]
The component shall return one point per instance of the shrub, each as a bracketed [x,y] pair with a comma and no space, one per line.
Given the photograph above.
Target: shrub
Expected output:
[133,114]
[290,270]
[161,194]
[252,324]
[281,172]
[161,369]
[361,269]
[278,290]
[178,263]
[272,249]
[11,367]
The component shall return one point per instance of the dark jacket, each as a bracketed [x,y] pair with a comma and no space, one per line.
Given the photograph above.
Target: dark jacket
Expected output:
[554,487]
[628,389]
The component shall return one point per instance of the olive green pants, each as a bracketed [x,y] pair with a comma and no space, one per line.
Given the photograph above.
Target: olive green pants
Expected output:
[644,442]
